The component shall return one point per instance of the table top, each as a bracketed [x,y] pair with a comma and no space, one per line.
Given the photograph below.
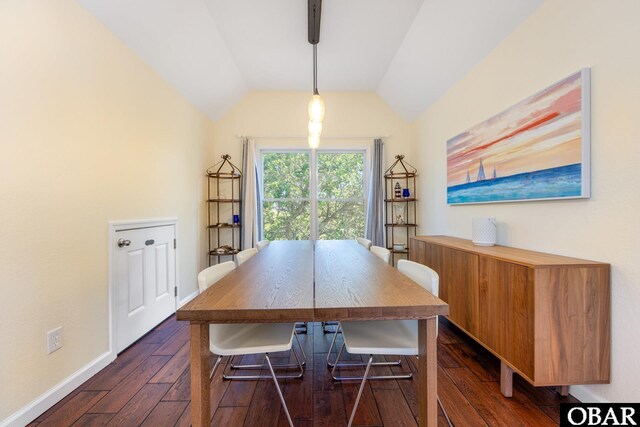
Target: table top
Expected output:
[354,284]
[277,285]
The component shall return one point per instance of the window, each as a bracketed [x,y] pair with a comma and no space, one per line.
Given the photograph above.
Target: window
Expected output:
[313,194]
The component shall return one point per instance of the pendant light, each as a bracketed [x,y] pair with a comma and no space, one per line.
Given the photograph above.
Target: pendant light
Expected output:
[316,104]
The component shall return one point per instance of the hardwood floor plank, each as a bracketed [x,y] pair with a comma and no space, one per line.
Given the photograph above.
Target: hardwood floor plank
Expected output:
[126,362]
[459,409]
[164,414]
[115,400]
[185,417]
[240,393]
[394,409]
[483,364]
[264,410]
[526,410]
[137,409]
[298,393]
[230,416]
[172,345]
[491,408]
[163,332]
[73,409]
[367,413]
[174,367]
[328,409]
[93,420]
[58,405]
[322,380]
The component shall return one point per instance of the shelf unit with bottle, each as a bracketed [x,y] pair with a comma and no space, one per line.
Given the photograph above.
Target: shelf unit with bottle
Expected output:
[400,207]
[224,203]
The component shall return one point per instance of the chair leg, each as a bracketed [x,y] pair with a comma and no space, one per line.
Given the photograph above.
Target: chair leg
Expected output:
[377,377]
[364,380]
[215,365]
[444,412]
[275,381]
[288,365]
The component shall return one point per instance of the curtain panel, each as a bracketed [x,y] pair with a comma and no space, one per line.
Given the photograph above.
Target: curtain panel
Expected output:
[374,229]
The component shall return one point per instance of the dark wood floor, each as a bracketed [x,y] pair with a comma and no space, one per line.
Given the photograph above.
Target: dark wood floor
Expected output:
[148,384]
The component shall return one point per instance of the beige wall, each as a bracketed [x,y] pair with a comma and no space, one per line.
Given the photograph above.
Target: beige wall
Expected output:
[357,114]
[561,37]
[88,134]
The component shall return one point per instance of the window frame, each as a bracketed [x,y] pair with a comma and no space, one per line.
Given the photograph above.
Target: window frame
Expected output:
[313,180]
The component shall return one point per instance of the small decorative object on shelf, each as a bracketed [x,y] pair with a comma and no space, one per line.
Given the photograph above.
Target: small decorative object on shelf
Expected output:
[224,187]
[484,231]
[398,190]
[400,210]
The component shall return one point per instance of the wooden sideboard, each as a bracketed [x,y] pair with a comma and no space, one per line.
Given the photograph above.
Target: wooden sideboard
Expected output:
[547,317]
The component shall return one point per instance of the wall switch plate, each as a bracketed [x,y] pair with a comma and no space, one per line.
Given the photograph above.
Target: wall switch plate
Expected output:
[54,340]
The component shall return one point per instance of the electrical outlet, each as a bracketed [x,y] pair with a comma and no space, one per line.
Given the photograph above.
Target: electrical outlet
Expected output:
[54,340]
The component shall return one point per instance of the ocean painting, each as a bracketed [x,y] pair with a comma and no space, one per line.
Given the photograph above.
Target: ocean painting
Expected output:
[536,150]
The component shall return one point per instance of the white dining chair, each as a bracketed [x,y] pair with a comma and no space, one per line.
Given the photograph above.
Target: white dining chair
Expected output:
[364,242]
[255,338]
[382,253]
[243,256]
[262,244]
[386,337]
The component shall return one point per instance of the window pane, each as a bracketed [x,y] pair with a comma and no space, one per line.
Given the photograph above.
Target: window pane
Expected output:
[287,220]
[340,220]
[340,175]
[285,175]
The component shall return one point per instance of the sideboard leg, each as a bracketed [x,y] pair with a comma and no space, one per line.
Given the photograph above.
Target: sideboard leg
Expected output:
[506,380]
[563,390]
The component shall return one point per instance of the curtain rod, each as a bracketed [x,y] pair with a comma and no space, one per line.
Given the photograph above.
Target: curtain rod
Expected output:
[321,138]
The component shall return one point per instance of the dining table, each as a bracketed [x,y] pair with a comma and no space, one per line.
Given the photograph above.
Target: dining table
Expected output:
[312,281]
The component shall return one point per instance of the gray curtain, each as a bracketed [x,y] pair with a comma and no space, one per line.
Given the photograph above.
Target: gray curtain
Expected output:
[374,229]
[251,211]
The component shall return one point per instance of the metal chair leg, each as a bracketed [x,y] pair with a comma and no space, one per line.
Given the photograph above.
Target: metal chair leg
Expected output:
[215,365]
[275,381]
[444,412]
[300,365]
[354,364]
[289,365]
[364,380]
[377,377]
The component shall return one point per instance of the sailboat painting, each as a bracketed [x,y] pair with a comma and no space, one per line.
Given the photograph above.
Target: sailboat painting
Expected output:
[536,150]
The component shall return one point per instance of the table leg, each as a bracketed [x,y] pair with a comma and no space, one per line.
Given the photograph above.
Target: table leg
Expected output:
[427,372]
[200,401]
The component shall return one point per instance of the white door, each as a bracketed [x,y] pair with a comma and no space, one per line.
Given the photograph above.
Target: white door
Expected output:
[144,273]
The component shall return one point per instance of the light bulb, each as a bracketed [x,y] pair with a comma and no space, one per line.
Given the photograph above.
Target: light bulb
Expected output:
[314,140]
[315,128]
[316,109]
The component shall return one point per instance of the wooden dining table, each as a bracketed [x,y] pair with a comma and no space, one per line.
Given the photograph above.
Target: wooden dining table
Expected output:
[305,281]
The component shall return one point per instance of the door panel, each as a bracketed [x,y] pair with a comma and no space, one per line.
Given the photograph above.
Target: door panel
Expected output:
[506,312]
[144,282]
[162,285]
[461,288]
[135,282]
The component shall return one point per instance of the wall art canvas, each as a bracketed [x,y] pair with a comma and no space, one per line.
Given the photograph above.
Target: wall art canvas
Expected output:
[536,150]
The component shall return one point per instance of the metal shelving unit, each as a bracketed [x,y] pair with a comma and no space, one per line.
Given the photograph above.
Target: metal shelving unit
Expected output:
[401,212]
[224,187]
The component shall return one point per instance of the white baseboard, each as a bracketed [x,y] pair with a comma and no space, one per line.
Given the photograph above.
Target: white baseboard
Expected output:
[52,396]
[188,298]
[585,395]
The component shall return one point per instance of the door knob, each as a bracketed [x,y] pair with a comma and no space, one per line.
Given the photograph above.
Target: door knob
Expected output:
[122,242]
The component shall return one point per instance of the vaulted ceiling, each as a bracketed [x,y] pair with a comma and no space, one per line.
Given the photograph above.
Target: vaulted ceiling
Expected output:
[409,51]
